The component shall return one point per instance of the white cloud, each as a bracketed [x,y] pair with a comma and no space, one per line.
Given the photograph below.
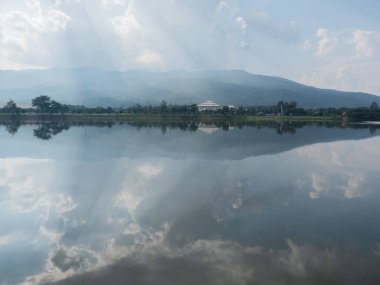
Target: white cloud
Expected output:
[306,45]
[22,32]
[242,23]
[327,42]
[365,42]
[110,4]
[221,5]
[126,24]
[347,60]
[150,58]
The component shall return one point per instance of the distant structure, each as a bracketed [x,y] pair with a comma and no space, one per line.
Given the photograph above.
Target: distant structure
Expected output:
[208,106]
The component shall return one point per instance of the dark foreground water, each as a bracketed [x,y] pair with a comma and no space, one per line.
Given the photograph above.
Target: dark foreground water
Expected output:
[189,204]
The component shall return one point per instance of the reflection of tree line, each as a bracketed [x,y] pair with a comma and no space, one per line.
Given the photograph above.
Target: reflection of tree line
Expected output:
[47,129]
[281,127]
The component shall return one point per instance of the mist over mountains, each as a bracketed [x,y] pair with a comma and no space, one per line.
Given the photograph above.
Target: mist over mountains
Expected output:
[95,87]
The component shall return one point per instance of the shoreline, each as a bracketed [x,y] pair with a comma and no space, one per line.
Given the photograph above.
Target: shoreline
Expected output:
[160,118]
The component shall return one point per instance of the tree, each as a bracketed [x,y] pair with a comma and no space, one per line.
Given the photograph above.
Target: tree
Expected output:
[64,109]
[374,106]
[55,107]
[11,108]
[193,109]
[42,103]
[164,108]
[225,110]
[280,109]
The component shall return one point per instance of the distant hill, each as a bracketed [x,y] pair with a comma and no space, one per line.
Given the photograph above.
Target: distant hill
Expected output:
[94,87]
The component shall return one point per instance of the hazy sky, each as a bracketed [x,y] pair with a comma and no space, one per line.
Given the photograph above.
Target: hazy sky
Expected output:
[325,43]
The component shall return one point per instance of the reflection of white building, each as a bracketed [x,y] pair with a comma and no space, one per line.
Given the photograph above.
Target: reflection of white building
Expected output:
[208,106]
[207,128]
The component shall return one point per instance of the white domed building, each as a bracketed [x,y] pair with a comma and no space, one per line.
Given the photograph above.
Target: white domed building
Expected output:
[208,106]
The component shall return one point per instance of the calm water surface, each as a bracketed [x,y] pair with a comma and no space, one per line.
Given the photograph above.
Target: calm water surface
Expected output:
[189,204]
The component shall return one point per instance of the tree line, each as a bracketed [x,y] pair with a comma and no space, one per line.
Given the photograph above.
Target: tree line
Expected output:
[45,105]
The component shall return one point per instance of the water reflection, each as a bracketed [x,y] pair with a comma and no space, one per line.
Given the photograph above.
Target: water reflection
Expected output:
[48,129]
[117,205]
[12,126]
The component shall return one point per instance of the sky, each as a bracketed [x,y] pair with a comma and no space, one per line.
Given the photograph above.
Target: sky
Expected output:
[323,43]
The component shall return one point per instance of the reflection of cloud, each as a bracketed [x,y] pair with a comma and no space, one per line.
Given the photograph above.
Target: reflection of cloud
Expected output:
[126,199]
[355,186]
[264,200]
[319,185]
[24,181]
[226,262]
[27,184]
[125,238]
[149,170]
[65,204]
[66,262]
[8,239]
[53,236]
[340,175]
[376,251]
[332,184]
[132,229]
[322,154]
[301,260]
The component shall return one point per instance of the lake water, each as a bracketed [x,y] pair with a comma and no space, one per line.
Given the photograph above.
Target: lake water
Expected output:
[266,203]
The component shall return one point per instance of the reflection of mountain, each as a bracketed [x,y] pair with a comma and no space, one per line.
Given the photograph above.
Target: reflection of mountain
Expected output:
[219,145]
[181,141]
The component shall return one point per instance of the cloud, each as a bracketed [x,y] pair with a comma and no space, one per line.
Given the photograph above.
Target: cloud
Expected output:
[23,31]
[242,23]
[119,34]
[229,34]
[270,28]
[126,25]
[327,42]
[306,45]
[110,4]
[150,58]
[348,60]
[365,42]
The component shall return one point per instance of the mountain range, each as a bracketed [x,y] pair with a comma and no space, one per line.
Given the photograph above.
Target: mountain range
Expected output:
[99,87]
